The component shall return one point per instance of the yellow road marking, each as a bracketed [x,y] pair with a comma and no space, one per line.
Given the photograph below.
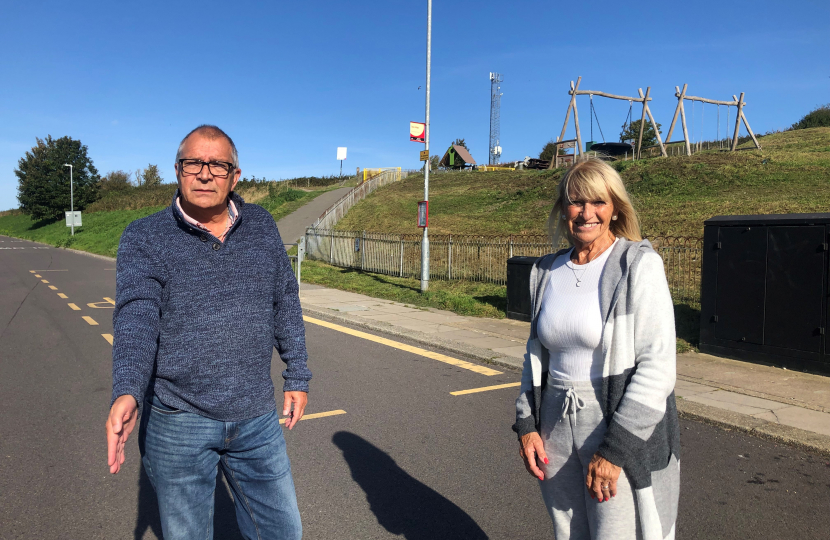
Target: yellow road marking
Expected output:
[43,281]
[317,415]
[62,295]
[73,306]
[108,337]
[107,303]
[53,287]
[485,389]
[90,320]
[408,348]
[32,271]
[38,275]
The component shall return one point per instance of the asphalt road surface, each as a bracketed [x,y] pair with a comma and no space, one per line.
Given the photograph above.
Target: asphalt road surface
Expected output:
[396,456]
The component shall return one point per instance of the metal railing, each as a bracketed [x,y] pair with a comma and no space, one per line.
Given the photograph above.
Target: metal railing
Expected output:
[479,258]
[297,260]
[336,211]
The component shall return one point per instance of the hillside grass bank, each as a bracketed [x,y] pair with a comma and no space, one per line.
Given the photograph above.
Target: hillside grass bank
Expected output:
[673,195]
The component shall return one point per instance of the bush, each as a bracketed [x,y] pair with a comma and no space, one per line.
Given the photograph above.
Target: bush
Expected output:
[114,182]
[818,117]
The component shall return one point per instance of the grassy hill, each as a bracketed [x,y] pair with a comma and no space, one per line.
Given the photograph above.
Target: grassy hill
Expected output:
[106,219]
[674,195]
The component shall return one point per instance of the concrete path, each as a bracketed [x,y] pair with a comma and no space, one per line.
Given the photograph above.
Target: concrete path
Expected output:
[293,225]
[773,402]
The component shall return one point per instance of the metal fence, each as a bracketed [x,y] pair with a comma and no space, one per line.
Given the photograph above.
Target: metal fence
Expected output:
[336,211]
[479,258]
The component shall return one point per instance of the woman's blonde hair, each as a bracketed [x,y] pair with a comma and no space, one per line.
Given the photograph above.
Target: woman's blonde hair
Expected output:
[593,180]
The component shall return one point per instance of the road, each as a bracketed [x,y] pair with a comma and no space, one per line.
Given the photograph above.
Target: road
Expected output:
[396,456]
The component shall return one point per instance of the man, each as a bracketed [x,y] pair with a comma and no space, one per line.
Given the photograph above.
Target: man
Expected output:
[204,292]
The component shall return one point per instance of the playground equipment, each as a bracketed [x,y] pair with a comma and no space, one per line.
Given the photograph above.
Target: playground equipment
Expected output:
[575,91]
[680,110]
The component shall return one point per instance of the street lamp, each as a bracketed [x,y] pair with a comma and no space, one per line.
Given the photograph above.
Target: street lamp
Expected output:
[425,241]
[71,198]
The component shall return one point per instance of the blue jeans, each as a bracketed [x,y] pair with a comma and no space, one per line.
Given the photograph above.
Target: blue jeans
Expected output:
[181,452]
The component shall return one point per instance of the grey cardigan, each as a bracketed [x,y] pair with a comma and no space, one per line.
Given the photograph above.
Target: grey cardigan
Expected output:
[637,392]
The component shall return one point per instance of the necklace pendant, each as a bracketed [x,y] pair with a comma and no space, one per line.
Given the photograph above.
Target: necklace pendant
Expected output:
[577,283]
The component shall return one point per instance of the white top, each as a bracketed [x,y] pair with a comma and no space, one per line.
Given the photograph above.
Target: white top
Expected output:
[570,321]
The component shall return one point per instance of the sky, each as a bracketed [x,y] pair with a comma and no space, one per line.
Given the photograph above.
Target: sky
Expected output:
[292,81]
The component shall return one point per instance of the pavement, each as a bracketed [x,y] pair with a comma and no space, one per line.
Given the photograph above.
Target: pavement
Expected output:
[785,406]
[293,226]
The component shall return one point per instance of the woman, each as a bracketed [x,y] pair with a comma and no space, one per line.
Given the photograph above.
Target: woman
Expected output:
[596,415]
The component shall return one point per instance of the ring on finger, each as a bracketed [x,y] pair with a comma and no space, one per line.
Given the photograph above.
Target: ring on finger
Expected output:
[605,486]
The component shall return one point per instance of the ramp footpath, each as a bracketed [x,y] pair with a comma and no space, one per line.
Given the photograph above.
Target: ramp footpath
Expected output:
[774,403]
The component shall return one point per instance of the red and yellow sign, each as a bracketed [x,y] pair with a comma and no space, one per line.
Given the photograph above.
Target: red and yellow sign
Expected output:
[416,131]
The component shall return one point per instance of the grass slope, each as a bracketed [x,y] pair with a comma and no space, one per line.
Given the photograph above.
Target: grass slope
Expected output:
[674,195]
[102,230]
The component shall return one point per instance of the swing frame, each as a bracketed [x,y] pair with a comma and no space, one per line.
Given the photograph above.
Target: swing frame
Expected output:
[740,116]
[644,99]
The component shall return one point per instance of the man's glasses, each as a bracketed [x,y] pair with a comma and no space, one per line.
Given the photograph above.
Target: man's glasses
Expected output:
[219,169]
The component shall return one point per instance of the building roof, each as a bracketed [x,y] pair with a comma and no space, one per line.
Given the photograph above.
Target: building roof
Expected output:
[461,152]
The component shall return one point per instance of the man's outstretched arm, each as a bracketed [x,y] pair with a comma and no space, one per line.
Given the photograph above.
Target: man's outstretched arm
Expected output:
[136,328]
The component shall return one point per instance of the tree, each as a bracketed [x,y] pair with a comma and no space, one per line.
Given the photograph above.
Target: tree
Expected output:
[631,132]
[549,149]
[43,182]
[818,117]
[148,177]
[115,181]
[461,142]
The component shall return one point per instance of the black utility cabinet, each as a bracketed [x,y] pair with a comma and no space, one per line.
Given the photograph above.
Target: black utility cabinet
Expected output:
[764,289]
[518,287]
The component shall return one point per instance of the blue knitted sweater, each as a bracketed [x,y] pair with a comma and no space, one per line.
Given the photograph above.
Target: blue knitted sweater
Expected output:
[196,320]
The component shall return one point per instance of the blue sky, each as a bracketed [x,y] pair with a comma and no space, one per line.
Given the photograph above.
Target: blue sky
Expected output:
[291,81]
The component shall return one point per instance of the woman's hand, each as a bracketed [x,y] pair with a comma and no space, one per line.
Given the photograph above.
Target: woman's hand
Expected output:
[532,449]
[602,478]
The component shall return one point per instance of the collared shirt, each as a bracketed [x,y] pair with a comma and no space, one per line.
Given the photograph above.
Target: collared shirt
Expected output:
[232,214]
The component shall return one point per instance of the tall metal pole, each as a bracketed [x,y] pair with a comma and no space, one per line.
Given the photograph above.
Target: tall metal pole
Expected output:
[71,199]
[425,241]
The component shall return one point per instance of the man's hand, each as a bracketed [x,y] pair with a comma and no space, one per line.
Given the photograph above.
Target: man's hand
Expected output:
[120,424]
[602,478]
[299,400]
[533,449]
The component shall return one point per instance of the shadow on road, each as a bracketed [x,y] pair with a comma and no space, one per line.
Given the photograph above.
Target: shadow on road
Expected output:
[224,517]
[402,504]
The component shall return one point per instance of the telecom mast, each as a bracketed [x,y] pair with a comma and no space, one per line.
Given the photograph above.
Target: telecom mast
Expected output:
[495,114]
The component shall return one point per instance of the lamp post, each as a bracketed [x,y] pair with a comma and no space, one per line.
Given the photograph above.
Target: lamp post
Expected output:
[425,241]
[71,198]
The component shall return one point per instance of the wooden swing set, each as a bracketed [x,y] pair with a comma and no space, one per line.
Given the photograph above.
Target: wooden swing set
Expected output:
[646,111]
[643,98]
[737,102]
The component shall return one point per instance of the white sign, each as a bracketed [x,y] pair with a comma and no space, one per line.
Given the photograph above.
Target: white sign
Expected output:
[77,218]
[341,152]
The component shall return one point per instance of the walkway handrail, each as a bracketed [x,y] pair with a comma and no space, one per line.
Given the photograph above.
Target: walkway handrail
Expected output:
[335,212]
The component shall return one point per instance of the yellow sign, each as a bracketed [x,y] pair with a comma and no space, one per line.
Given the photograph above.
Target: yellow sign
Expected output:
[424,155]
